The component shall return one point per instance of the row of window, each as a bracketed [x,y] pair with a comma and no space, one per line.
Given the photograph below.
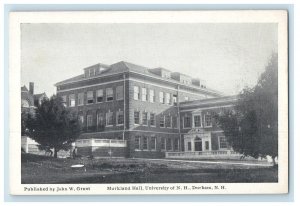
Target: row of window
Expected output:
[187,123]
[98,96]
[94,97]
[148,95]
[145,118]
[102,119]
[94,71]
[150,143]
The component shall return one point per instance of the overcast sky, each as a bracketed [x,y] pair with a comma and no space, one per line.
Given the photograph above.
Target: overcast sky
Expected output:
[228,56]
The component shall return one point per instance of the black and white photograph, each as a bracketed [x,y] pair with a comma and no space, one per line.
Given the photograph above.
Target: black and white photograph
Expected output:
[163,102]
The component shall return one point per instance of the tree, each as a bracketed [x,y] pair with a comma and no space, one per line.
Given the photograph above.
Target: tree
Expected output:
[251,127]
[24,118]
[53,126]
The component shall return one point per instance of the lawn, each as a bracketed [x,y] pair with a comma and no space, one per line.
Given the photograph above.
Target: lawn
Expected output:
[47,170]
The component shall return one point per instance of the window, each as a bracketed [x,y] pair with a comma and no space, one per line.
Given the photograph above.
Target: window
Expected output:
[144,118]
[152,119]
[176,144]
[174,99]
[169,144]
[144,94]
[80,99]
[186,98]
[162,121]
[168,121]
[197,121]
[186,122]
[120,117]
[72,100]
[175,122]
[97,71]
[206,145]
[120,92]
[168,98]
[163,143]
[151,94]
[100,95]
[145,143]
[207,120]
[223,142]
[100,120]
[152,143]
[189,146]
[109,94]
[89,121]
[109,119]
[64,100]
[136,117]
[166,74]
[136,95]
[161,97]
[86,72]
[90,97]
[91,72]
[137,142]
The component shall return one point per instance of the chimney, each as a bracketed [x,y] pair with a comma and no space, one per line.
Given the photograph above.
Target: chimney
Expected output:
[31,88]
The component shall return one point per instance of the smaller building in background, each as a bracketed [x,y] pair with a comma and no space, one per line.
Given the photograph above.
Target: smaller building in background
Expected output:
[29,102]
[27,98]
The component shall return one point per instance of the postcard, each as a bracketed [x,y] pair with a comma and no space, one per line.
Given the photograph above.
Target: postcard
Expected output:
[148,102]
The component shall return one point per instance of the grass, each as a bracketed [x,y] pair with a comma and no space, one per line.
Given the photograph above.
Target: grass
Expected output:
[47,170]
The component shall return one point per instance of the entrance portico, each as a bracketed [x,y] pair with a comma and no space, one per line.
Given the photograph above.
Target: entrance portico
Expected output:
[197,140]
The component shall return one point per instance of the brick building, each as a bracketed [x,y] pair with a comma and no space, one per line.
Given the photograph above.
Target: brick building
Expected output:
[134,111]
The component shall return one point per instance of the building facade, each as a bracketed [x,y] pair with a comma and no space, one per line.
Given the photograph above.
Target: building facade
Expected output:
[129,110]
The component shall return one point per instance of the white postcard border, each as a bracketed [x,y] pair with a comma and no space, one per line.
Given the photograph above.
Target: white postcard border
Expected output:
[272,16]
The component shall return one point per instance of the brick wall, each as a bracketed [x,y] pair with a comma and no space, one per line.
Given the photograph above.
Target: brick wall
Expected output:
[131,105]
[158,152]
[103,107]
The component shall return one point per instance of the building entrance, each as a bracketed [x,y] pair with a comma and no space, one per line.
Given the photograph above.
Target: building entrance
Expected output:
[198,144]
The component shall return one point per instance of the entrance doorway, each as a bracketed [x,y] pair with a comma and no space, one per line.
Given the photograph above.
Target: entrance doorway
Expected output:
[198,144]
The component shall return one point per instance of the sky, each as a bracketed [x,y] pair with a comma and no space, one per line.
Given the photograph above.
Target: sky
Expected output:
[227,56]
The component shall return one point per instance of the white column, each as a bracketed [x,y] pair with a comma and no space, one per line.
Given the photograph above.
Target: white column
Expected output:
[193,143]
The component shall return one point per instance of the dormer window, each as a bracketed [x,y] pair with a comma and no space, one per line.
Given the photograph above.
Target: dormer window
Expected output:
[166,75]
[92,72]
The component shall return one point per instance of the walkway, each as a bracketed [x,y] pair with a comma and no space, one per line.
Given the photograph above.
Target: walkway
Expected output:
[265,164]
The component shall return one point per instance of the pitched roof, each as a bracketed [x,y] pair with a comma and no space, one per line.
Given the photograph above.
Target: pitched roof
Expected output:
[38,96]
[118,67]
[24,89]
[76,78]
[124,66]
